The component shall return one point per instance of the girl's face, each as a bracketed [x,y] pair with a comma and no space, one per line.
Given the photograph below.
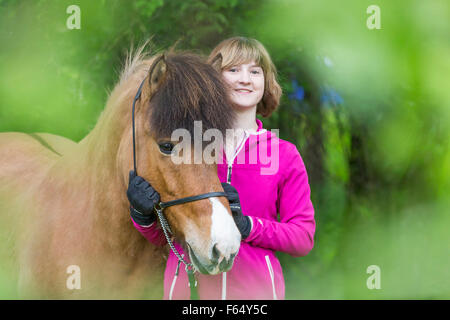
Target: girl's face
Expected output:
[247,84]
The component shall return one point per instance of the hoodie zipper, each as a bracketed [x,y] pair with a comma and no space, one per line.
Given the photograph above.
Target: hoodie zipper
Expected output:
[230,163]
[236,152]
[229,172]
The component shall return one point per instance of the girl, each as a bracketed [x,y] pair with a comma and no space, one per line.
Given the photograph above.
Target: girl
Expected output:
[258,189]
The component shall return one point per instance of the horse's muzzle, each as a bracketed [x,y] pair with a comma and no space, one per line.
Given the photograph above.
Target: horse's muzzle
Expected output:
[216,263]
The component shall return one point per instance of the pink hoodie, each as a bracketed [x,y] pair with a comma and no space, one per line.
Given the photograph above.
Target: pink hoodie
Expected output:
[269,183]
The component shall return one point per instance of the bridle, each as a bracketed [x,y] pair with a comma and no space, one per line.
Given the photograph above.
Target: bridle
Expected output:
[190,269]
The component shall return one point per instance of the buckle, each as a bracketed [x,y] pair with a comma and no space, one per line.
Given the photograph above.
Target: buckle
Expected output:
[157,207]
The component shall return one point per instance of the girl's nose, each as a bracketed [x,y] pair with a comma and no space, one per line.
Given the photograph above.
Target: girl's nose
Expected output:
[245,77]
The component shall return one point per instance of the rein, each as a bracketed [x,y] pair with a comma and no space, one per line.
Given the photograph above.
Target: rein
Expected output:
[190,268]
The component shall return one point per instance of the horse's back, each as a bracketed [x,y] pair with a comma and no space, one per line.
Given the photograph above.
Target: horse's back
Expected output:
[55,143]
[23,157]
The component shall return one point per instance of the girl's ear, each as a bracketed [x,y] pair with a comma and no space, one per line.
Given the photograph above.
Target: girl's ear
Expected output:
[216,62]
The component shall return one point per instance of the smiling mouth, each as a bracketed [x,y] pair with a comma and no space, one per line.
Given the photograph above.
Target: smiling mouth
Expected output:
[243,91]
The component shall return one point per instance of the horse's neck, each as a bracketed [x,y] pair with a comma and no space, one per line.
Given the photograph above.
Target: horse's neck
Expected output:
[102,143]
[102,182]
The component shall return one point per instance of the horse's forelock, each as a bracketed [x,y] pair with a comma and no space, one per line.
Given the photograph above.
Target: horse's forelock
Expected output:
[192,91]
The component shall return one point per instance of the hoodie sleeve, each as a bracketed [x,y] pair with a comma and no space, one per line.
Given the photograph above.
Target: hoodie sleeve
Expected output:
[294,233]
[152,233]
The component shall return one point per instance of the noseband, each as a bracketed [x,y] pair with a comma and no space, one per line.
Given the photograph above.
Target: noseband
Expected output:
[162,205]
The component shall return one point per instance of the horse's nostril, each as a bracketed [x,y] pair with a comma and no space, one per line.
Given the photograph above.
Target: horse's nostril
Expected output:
[232,256]
[226,264]
[215,254]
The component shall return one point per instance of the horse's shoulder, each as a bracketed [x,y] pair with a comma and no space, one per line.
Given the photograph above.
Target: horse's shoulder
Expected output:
[59,144]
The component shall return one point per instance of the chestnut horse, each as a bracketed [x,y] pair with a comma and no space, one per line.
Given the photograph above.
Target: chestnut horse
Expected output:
[66,202]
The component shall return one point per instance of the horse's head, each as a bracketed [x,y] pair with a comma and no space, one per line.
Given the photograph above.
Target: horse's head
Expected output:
[178,90]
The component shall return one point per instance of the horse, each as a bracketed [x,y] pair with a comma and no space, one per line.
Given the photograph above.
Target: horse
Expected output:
[65,205]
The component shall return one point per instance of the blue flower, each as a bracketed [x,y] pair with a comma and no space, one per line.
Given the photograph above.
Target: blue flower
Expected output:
[298,91]
[330,96]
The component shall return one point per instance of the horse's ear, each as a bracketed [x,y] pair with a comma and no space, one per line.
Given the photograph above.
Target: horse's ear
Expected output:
[216,62]
[157,72]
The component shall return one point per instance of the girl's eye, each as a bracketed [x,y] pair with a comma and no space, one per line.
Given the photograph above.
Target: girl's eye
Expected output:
[166,147]
[233,70]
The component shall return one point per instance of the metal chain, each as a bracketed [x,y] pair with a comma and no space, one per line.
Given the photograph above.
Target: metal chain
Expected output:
[166,229]
[190,269]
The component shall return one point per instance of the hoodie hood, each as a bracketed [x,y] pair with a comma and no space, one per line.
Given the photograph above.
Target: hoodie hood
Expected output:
[263,134]
[262,138]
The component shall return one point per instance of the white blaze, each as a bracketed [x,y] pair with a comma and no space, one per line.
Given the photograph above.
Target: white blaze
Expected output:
[223,230]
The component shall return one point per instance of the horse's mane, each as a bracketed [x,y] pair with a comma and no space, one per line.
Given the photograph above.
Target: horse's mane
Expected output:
[191,90]
[134,60]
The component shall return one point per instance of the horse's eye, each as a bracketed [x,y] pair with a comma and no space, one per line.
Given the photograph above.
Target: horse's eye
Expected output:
[166,147]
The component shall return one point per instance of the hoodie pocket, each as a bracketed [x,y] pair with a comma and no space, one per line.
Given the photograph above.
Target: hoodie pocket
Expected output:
[272,276]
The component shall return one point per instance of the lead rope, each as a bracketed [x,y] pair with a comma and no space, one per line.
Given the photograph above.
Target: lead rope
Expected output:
[189,266]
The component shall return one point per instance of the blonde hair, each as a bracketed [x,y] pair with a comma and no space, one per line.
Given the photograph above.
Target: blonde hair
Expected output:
[238,50]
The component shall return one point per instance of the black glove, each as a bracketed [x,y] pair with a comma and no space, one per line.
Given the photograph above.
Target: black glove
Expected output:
[142,199]
[242,222]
